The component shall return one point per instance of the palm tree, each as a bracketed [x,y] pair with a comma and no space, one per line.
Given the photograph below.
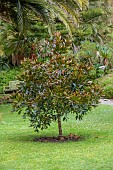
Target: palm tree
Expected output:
[20,14]
[47,10]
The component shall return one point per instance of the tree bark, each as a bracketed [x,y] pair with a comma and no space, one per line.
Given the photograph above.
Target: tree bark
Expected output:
[59,125]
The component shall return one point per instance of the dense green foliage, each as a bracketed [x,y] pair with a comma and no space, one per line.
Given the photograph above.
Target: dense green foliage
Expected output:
[106,83]
[28,21]
[95,34]
[52,89]
[101,56]
[25,11]
[21,37]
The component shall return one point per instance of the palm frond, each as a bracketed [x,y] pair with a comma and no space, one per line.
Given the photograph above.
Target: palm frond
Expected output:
[43,14]
[47,10]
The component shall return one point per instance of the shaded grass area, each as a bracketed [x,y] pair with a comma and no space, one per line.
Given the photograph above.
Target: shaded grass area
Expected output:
[94,151]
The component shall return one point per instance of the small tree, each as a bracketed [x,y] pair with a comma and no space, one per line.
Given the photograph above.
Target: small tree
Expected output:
[55,88]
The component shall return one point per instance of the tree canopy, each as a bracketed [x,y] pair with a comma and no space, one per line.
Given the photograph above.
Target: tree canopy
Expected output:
[54,88]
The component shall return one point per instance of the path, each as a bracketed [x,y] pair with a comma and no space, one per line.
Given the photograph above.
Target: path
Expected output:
[106,101]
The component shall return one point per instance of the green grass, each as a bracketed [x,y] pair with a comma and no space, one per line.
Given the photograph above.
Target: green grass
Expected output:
[93,152]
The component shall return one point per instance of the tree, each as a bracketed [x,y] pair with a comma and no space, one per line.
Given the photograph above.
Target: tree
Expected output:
[53,89]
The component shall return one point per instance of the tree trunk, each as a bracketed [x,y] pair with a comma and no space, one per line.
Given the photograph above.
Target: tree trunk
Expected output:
[59,125]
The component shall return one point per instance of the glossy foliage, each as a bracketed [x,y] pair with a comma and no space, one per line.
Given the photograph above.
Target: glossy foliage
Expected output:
[56,87]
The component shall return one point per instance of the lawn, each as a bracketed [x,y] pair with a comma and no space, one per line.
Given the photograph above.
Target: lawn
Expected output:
[93,152]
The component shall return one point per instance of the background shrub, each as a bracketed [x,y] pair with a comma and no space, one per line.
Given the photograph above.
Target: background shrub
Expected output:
[108,91]
[106,83]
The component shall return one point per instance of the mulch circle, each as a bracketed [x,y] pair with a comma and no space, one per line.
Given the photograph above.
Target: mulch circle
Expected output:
[71,137]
